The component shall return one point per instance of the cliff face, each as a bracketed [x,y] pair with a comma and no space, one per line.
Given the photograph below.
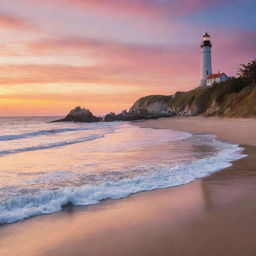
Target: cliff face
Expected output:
[233,98]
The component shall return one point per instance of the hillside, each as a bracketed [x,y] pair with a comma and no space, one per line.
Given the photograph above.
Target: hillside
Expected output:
[233,98]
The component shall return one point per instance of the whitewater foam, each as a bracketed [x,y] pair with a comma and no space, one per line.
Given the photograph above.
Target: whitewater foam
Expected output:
[48,201]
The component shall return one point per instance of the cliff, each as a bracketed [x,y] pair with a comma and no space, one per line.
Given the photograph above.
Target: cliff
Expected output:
[233,98]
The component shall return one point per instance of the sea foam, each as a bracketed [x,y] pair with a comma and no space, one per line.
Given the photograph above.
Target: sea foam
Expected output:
[45,201]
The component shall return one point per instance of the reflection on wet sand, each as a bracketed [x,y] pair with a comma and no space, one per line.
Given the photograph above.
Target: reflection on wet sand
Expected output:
[232,184]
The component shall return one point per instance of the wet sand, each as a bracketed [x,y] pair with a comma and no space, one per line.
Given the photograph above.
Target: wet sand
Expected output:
[234,130]
[210,217]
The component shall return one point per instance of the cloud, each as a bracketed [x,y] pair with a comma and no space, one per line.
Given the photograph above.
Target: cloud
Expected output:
[13,22]
[7,51]
[137,62]
[118,63]
[117,54]
[150,8]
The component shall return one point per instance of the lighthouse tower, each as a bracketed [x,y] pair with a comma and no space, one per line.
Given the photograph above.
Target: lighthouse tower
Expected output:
[206,59]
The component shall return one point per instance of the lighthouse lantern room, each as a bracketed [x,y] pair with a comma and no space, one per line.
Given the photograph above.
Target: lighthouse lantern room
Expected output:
[206,59]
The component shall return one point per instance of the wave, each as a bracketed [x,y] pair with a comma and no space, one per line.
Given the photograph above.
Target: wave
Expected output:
[49,201]
[39,133]
[51,145]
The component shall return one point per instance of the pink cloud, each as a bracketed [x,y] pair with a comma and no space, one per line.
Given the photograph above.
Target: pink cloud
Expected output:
[148,7]
[131,60]
[133,65]
[136,7]
[13,22]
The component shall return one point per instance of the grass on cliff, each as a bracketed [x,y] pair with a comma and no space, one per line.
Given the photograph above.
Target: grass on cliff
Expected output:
[151,99]
[234,98]
[241,104]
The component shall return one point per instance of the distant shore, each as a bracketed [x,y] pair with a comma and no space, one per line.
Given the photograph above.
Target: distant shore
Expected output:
[211,216]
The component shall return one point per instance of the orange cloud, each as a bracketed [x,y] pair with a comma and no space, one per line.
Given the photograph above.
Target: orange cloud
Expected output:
[126,66]
[7,51]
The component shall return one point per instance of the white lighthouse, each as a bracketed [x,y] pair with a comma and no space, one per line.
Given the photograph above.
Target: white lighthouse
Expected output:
[206,59]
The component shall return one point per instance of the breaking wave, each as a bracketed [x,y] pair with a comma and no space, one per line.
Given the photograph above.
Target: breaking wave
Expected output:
[39,133]
[43,201]
[51,145]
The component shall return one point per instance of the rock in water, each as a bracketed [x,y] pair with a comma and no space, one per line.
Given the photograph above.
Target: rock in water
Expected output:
[80,115]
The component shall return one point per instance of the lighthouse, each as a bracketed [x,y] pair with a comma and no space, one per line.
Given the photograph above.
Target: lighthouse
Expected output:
[206,59]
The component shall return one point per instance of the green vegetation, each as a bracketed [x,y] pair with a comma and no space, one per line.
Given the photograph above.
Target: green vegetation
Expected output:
[233,98]
[152,98]
[248,72]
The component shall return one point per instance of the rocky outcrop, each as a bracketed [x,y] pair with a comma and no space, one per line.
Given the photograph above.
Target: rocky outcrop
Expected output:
[111,117]
[127,116]
[80,115]
[123,116]
[154,105]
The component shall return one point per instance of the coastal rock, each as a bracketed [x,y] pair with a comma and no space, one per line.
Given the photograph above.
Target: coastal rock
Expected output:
[80,115]
[111,117]
[152,107]
[127,116]
[123,116]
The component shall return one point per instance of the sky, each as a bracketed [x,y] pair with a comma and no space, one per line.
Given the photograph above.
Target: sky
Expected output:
[105,54]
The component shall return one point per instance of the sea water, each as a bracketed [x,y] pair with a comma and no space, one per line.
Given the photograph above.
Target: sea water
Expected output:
[45,166]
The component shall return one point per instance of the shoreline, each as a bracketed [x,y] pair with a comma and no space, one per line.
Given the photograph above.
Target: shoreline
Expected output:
[211,216]
[232,130]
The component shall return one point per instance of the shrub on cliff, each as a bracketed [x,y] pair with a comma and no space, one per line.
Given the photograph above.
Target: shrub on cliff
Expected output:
[248,72]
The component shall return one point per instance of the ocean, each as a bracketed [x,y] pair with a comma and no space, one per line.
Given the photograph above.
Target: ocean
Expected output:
[45,166]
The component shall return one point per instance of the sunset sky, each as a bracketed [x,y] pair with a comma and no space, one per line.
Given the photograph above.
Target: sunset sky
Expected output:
[105,54]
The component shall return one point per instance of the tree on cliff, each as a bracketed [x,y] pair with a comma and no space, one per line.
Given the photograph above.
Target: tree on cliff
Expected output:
[248,72]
